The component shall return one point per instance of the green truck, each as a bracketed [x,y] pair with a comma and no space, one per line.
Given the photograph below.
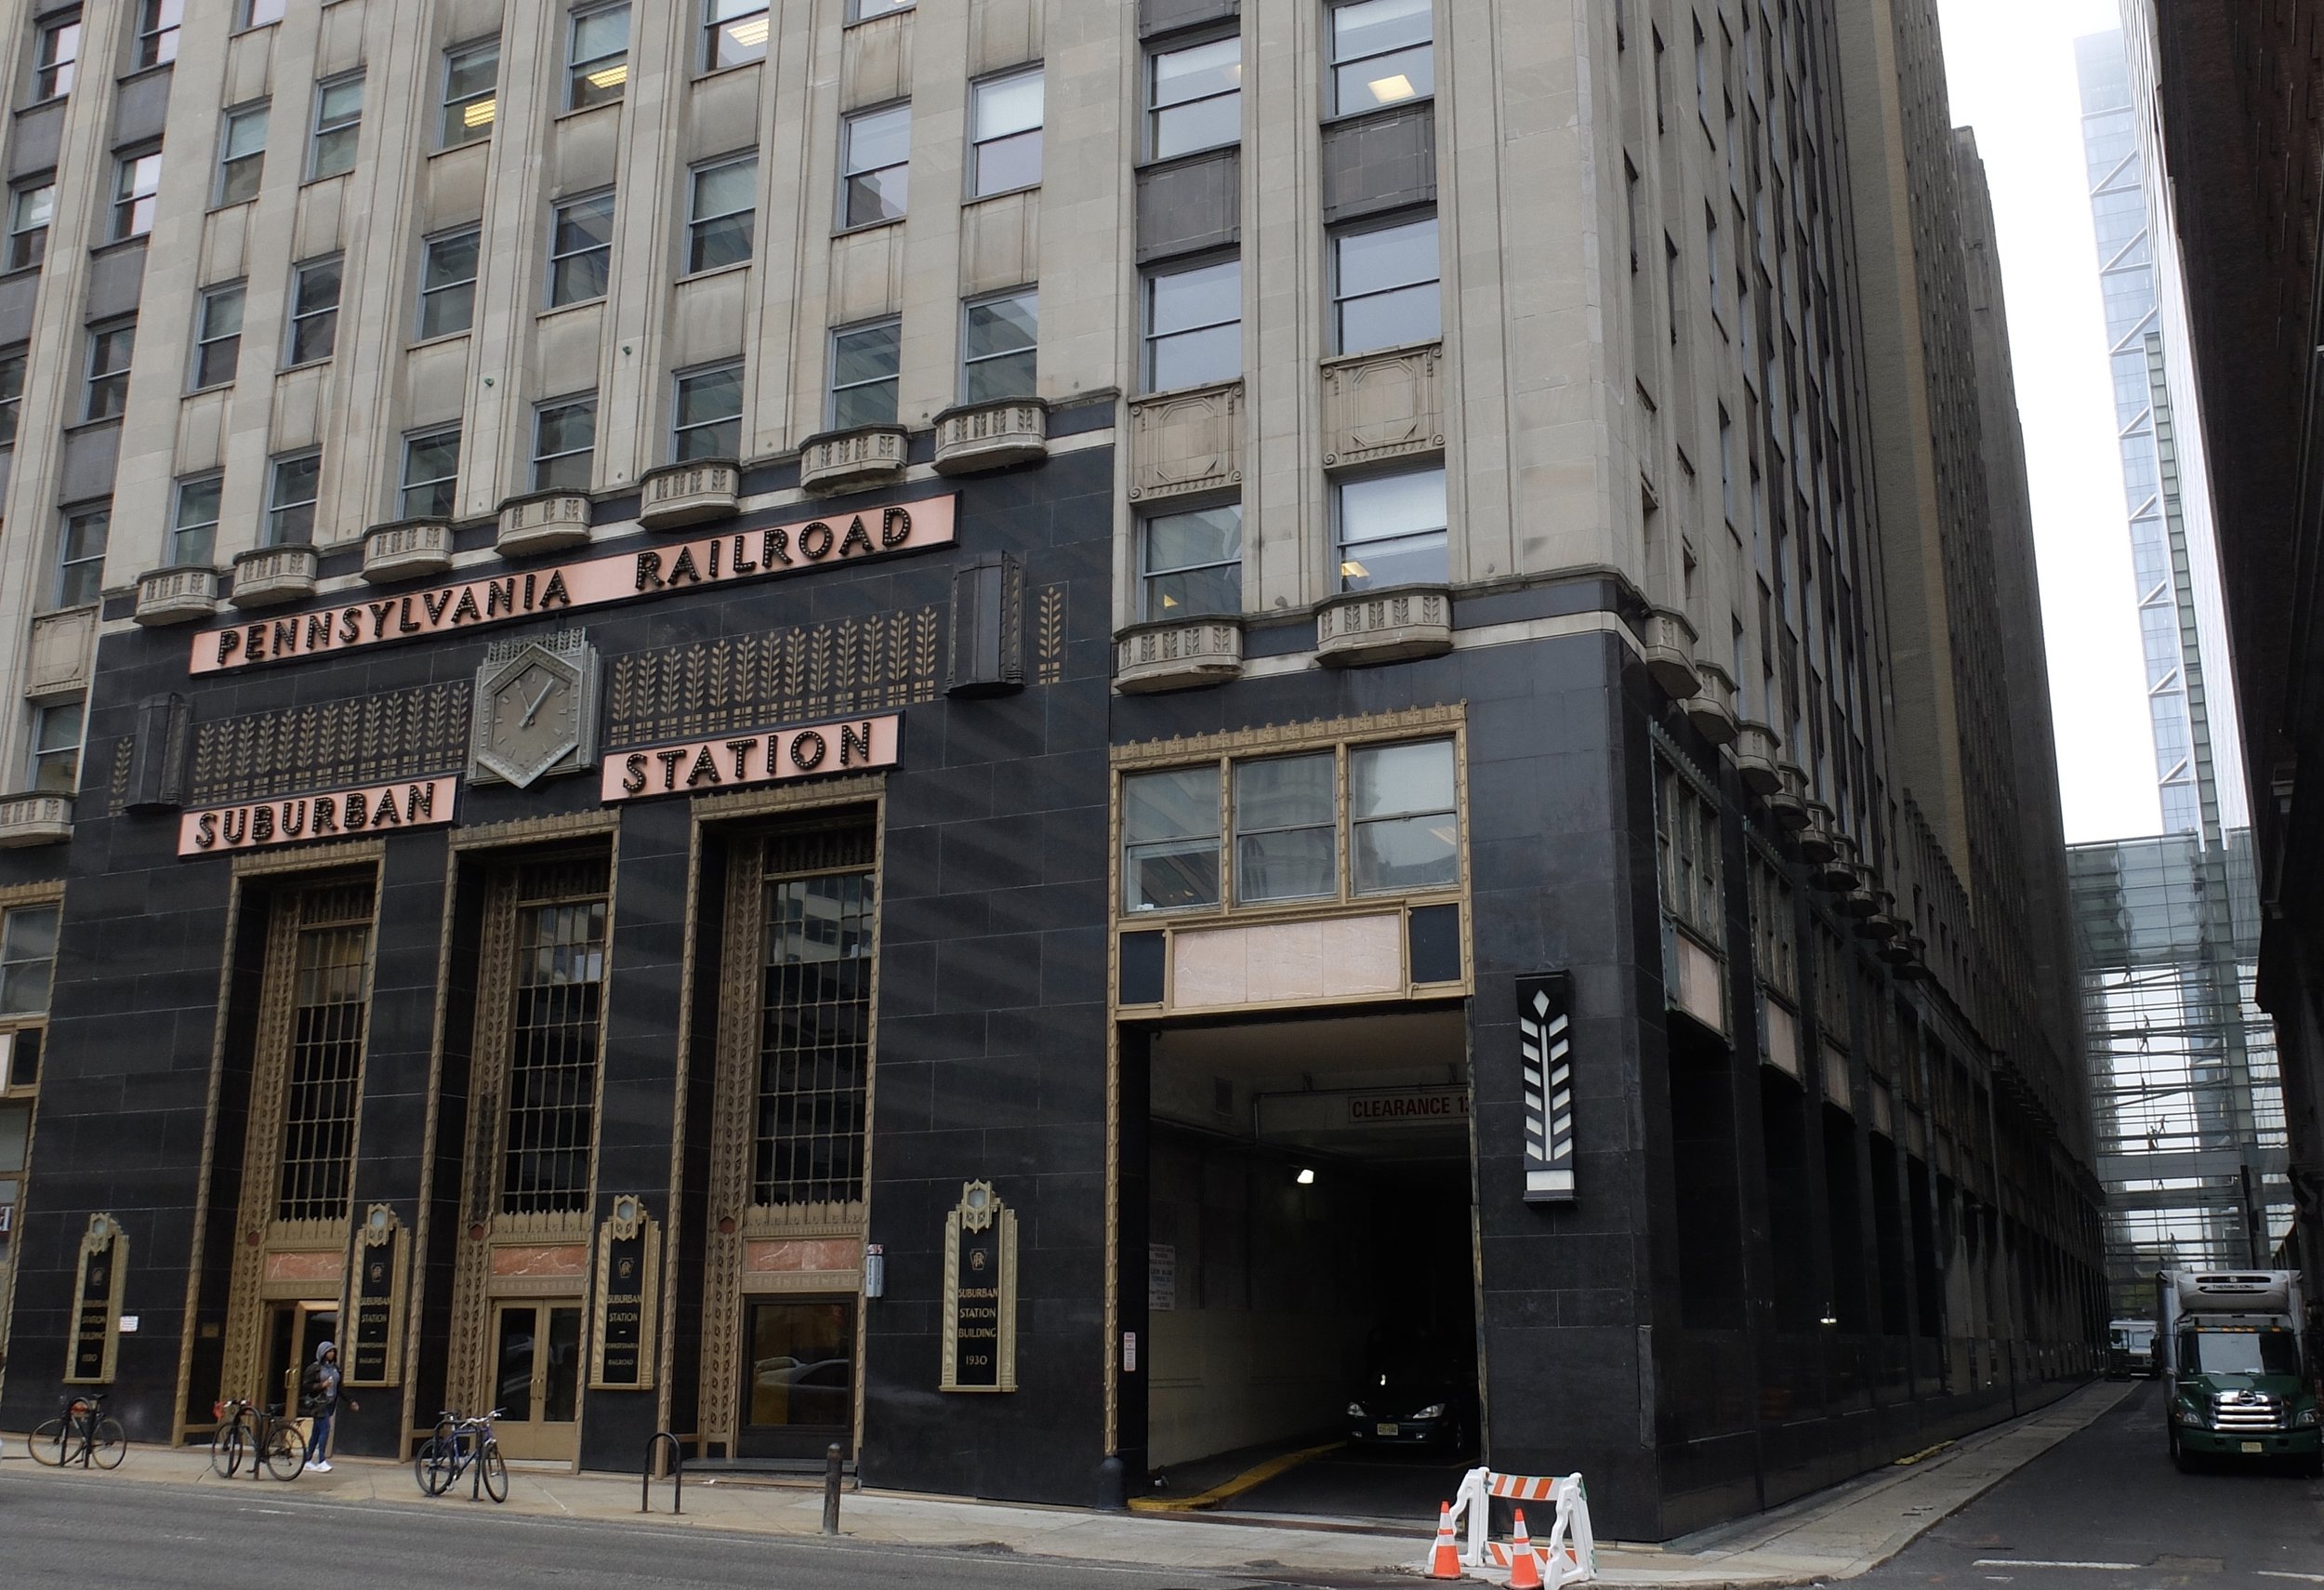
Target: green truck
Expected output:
[2238,1385]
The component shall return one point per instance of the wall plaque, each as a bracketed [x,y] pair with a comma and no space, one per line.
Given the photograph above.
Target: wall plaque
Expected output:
[374,1350]
[980,1323]
[629,1287]
[768,756]
[418,803]
[1545,1008]
[96,1338]
[728,559]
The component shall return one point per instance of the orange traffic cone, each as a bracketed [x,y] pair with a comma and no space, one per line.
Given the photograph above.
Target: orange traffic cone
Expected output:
[1525,1568]
[1444,1557]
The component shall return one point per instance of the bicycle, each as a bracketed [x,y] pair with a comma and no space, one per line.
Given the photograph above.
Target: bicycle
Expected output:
[458,1446]
[80,1434]
[258,1438]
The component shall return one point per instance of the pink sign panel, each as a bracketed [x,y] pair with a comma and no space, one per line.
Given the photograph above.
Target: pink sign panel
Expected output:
[594,582]
[768,755]
[342,813]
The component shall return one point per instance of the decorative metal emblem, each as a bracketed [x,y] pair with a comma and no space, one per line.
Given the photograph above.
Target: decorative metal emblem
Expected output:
[537,710]
[1544,1014]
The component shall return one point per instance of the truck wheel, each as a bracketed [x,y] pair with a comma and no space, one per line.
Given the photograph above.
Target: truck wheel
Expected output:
[2179,1457]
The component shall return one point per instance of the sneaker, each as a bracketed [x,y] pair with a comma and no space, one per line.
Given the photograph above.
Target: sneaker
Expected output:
[319,1467]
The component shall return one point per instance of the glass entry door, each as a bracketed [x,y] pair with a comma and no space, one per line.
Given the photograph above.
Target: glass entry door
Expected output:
[799,1376]
[536,1378]
[294,1331]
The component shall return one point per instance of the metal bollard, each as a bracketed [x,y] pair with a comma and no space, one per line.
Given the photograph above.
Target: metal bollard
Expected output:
[677,1469]
[831,1489]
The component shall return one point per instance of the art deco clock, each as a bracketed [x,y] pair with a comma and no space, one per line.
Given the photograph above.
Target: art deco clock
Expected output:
[535,709]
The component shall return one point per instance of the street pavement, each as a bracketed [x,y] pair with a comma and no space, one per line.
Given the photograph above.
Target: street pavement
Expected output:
[2104,1510]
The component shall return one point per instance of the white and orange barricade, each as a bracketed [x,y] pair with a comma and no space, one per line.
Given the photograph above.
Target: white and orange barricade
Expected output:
[1566,1555]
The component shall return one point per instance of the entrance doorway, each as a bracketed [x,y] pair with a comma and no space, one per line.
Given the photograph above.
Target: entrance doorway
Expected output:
[536,1378]
[799,1377]
[1310,1276]
[293,1332]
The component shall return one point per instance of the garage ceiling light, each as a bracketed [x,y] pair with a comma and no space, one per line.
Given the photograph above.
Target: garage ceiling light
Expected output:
[1306,1177]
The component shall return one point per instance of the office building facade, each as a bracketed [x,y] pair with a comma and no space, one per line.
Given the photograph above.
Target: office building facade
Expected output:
[1011,731]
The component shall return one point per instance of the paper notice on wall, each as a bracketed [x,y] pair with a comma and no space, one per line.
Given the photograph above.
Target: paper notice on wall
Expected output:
[1161,1276]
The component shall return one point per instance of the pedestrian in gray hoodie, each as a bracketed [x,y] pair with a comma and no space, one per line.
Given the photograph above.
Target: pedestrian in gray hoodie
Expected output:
[319,1391]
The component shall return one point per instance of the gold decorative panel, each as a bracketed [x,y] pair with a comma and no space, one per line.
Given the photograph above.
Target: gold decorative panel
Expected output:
[783,676]
[333,744]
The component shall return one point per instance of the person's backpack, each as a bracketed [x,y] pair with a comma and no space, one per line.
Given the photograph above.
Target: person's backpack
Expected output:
[310,1388]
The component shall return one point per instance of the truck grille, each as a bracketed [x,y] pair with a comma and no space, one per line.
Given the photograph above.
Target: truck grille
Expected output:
[2249,1413]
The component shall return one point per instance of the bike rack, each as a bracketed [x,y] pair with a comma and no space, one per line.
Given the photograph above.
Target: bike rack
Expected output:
[676,1472]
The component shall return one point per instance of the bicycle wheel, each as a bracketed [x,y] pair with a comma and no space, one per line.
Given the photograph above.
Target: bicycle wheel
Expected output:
[230,1448]
[432,1466]
[110,1444]
[495,1472]
[285,1451]
[47,1443]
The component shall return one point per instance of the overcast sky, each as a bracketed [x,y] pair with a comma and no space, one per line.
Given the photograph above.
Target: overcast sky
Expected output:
[2011,65]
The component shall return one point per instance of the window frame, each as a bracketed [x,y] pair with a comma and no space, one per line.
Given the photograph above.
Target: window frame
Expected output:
[69,572]
[128,199]
[560,257]
[248,11]
[221,194]
[707,61]
[297,316]
[318,129]
[1341,299]
[55,73]
[179,526]
[15,361]
[861,11]
[576,68]
[1342,546]
[1151,111]
[18,1078]
[1148,574]
[1149,339]
[157,33]
[449,105]
[204,339]
[680,429]
[35,252]
[277,507]
[427,246]
[980,142]
[40,754]
[850,173]
[968,362]
[1242,832]
[833,386]
[697,221]
[1334,64]
[91,376]
[448,485]
[540,413]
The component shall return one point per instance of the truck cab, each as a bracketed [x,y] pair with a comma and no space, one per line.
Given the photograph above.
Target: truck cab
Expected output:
[2129,1348]
[2237,1386]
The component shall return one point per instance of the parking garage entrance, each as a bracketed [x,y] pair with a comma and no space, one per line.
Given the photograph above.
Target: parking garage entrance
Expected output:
[1310,1261]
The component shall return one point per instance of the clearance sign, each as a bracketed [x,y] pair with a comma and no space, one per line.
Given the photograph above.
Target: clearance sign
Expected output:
[718,560]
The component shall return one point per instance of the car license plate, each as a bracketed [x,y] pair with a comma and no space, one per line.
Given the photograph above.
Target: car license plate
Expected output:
[1383,1429]
[2254,1446]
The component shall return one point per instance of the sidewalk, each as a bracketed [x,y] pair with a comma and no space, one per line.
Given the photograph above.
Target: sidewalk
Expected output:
[1836,1534]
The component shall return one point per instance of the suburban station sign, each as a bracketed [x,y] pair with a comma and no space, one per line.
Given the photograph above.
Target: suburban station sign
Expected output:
[768,756]
[724,559]
[341,814]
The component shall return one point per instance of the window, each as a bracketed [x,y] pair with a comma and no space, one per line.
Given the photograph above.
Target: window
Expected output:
[30,211]
[1687,846]
[707,420]
[56,56]
[109,351]
[864,374]
[1193,562]
[1170,840]
[558,1010]
[1381,54]
[137,183]
[81,555]
[157,32]
[581,250]
[1194,98]
[1384,287]
[865,10]
[597,56]
[339,122]
[875,164]
[217,337]
[735,32]
[28,957]
[258,13]
[723,219]
[1402,817]
[447,283]
[997,348]
[293,484]
[194,524]
[1007,135]
[820,904]
[11,393]
[565,443]
[471,86]
[1287,827]
[1392,530]
[242,155]
[314,314]
[1194,326]
[56,749]
[431,475]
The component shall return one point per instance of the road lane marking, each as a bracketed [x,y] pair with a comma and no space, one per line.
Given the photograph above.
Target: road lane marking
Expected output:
[2279,1573]
[2037,1562]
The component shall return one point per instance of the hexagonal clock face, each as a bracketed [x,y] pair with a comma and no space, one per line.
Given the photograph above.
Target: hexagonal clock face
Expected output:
[531,717]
